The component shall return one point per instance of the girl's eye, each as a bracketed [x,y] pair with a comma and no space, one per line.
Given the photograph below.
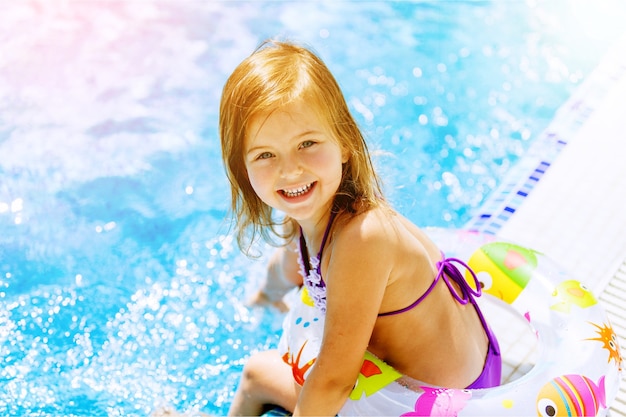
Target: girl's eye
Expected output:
[265,155]
[307,144]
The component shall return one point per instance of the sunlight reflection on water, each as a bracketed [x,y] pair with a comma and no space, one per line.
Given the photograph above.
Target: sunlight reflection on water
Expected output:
[121,286]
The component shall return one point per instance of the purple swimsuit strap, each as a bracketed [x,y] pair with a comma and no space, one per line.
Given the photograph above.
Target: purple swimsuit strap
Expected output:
[304,253]
[448,271]
[468,293]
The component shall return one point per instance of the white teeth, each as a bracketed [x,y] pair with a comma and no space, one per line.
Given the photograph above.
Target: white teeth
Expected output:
[297,191]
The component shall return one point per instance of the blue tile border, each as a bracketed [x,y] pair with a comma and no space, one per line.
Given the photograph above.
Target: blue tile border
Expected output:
[528,172]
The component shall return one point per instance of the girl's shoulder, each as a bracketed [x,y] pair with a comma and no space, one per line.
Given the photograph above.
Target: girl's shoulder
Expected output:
[386,232]
[377,226]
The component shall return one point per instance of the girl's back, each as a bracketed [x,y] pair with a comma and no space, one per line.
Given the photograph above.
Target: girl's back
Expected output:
[438,341]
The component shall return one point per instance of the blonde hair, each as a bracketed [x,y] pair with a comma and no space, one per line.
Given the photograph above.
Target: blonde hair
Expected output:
[278,73]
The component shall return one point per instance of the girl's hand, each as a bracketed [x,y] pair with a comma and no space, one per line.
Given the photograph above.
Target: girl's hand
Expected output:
[261,299]
[282,276]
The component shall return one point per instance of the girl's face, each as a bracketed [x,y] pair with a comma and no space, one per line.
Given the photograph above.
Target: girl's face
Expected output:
[293,162]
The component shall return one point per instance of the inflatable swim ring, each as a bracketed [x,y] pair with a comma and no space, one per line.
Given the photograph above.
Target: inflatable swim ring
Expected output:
[578,362]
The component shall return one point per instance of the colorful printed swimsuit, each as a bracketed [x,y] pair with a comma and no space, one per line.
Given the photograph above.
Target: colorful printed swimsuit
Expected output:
[376,385]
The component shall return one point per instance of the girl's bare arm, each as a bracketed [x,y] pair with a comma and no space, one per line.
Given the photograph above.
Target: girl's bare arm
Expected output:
[360,264]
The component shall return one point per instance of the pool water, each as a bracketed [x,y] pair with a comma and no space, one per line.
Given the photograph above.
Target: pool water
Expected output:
[121,287]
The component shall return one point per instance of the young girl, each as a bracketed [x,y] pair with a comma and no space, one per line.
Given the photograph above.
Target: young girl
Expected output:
[381,311]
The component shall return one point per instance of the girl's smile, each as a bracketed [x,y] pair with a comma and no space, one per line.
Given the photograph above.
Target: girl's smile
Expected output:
[293,162]
[298,192]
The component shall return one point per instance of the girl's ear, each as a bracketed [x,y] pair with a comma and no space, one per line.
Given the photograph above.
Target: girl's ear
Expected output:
[345,155]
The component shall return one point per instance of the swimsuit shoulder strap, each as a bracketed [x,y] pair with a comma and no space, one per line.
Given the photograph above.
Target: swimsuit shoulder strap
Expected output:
[326,234]
[304,253]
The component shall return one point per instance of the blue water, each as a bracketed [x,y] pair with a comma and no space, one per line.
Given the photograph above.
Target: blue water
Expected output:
[121,288]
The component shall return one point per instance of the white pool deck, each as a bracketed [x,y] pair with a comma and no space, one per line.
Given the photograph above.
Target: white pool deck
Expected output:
[568,198]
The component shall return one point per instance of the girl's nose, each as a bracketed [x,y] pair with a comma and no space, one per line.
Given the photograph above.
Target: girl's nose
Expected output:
[290,168]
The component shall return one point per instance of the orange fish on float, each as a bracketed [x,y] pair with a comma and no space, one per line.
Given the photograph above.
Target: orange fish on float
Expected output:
[571,395]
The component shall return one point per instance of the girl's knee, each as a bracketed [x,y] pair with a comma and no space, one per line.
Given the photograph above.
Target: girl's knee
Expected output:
[259,366]
[252,369]
[266,379]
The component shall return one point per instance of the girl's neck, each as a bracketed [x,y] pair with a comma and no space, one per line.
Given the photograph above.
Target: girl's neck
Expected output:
[314,232]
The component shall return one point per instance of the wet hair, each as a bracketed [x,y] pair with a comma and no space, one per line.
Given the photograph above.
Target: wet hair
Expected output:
[275,74]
